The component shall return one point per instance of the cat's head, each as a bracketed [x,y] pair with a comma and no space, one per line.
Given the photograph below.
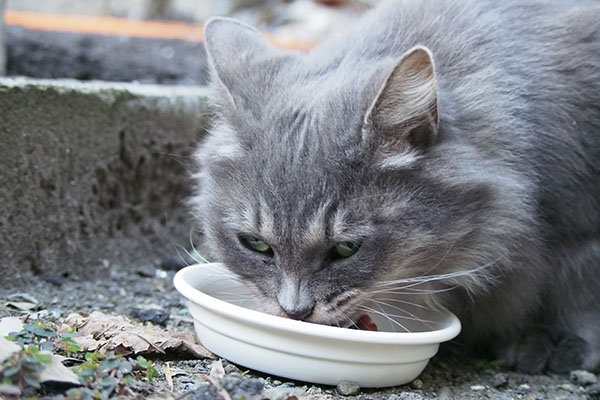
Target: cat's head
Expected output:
[323,178]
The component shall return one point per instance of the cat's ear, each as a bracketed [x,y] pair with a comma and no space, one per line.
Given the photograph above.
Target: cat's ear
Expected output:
[232,47]
[405,111]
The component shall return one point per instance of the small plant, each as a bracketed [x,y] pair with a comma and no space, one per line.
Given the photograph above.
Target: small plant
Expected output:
[151,372]
[47,336]
[23,367]
[104,376]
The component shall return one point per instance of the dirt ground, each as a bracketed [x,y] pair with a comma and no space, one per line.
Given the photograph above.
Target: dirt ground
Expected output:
[119,289]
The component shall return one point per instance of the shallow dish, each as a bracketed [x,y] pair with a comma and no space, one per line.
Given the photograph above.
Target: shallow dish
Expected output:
[228,325]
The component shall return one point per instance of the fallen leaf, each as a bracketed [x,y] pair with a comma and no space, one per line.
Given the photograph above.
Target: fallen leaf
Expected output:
[57,372]
[168,376]
[101,332]
[10,390]
[8,325]
[217,372]
[22,305]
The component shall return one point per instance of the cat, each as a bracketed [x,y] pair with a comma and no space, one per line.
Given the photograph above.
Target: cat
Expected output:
[451,142]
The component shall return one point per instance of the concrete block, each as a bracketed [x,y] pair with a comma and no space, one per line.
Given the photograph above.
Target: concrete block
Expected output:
[92,172]
[2,42]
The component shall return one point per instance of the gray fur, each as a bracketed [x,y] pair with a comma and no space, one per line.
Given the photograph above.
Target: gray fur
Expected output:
[493,187]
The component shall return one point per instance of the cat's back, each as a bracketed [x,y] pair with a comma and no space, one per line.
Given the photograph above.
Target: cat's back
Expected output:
[518,79]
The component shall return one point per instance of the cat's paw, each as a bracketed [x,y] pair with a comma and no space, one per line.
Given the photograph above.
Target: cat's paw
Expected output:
[538,350]
[530,354]
[568,355]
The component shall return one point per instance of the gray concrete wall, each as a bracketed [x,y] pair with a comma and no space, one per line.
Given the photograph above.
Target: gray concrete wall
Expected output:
[2,43]
[92,172]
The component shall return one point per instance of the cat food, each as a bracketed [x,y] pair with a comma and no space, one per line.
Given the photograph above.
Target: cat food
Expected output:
[365,323]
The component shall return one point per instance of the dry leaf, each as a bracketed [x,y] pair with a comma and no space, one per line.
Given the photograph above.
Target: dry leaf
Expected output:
[217,372]
[22,305]
[57,372]
[8,325]
[168,376]
[101,332]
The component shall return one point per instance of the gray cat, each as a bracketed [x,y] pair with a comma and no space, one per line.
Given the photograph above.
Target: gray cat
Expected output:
[455,143]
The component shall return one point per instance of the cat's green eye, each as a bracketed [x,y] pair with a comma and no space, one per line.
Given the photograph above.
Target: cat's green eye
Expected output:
[256,244]
[345,249]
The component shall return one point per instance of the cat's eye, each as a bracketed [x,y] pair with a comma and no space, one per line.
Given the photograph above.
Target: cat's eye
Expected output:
[345,249]
[256,244]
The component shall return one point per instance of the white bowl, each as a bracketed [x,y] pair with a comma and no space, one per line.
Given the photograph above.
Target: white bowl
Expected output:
[301,350]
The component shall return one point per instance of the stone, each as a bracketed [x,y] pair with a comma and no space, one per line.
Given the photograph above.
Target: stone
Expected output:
[154,315]
[445,393]
[477,388]
[583,378]
[593,391]
[410,396]
[347,388]
[417,384]
[499,380]
[98,168]
[524,388]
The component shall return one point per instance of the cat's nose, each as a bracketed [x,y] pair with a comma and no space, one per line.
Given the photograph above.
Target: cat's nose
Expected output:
[298,312]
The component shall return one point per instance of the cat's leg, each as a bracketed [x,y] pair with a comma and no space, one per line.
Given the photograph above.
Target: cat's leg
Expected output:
[576,330]
[531,352]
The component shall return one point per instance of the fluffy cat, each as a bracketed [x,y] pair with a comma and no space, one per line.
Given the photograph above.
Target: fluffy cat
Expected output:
[455,143]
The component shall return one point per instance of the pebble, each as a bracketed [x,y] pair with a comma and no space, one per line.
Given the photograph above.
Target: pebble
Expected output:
[566,386]
[477,387]
[410,396]
[445,393]
[583,378]
[347,388]
[524,388]
[230,369]
[154,315]
[593,391]
[499,380]
[406,396]
[417,384]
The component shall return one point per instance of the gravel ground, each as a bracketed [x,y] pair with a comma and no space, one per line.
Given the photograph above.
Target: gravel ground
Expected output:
[119,289]
[116,289]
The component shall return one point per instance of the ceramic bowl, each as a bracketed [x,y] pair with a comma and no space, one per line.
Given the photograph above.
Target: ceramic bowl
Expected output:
[227,323]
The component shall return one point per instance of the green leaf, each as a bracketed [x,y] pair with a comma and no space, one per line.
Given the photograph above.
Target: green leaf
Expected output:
[32,382]
[11,371]
[73,348]
[48,346]
[109,364]
[39,331]
[44,358]
[70,335]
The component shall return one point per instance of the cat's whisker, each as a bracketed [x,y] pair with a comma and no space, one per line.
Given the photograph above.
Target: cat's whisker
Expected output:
[371,310]
[411,291]
[419,280]
[412,316]
[406,317]
[410,303]
[199,258]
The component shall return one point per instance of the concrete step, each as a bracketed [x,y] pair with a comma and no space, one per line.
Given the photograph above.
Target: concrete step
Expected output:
[94,171]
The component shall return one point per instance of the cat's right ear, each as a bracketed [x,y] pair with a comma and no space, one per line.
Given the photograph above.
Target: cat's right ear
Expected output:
[404,114]
[232,47]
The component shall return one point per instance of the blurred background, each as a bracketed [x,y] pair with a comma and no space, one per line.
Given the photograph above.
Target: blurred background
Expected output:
[149,41]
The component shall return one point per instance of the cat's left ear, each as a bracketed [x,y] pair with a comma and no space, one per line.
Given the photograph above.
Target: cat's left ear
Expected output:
[405,111]
[233,48]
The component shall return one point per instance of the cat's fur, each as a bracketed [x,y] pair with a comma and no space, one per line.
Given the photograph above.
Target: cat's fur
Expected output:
[441,135]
